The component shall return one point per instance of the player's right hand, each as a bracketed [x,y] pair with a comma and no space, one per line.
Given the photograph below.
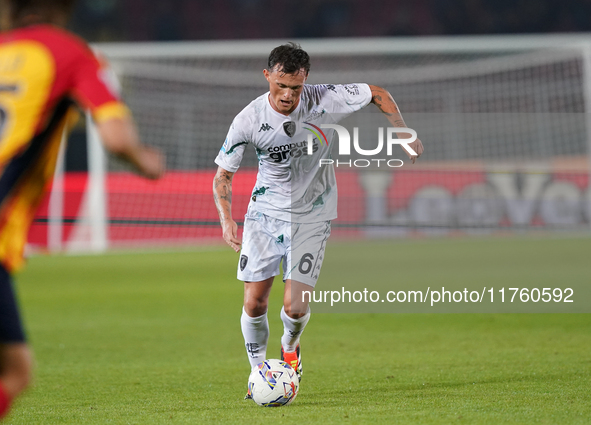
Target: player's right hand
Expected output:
[230,229]
[151,163]
[416,146]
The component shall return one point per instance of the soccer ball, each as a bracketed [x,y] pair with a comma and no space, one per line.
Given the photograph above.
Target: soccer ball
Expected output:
[273,383]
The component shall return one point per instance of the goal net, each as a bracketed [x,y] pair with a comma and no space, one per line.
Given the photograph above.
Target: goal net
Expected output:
[504,121]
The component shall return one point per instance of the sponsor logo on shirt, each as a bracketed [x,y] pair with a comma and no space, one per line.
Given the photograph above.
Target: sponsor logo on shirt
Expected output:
[293,150]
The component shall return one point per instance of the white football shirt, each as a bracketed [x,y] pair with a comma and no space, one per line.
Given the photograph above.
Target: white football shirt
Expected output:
[291,185]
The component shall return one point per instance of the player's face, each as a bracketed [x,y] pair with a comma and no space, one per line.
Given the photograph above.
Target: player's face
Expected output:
[285,89]
[56,17]
[5,17]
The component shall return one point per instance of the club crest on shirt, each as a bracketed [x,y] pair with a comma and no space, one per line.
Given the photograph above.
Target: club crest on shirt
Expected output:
[243,261]
[290,128]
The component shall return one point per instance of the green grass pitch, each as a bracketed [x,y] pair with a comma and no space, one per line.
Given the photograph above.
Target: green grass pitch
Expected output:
[154,338]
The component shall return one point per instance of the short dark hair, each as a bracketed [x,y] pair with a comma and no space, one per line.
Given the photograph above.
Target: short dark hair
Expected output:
[47,9]
[289,58]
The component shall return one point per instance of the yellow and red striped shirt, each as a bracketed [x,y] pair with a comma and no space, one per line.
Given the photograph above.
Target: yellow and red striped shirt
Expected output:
[44,71]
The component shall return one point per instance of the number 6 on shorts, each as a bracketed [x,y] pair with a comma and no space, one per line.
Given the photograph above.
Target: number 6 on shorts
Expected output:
[306,263]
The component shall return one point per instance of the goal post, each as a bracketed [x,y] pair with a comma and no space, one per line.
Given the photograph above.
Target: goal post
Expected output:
[91,231]
[505,121]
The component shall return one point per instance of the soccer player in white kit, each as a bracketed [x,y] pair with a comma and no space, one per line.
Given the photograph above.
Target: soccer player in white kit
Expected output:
[294,199]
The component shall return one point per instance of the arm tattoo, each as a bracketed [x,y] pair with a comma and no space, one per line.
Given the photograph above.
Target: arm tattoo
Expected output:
[386,104]
[222,194]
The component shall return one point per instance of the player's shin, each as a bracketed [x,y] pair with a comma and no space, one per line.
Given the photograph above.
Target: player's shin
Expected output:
[292,330]
[256,335]
[4,401]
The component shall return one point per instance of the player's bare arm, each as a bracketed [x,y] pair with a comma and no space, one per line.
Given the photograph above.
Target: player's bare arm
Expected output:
[222,195]
[386,104]
[120,137]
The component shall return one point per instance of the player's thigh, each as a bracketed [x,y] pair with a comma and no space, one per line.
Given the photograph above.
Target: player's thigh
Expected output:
[256,296]
[262,250]
[306,253]
[296,297]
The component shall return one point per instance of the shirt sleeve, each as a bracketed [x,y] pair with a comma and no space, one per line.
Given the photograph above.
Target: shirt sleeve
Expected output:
[349,98]
[230,155]
[94,88]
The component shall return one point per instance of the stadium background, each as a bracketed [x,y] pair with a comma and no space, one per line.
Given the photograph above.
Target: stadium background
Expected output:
[513,154]
[141,20]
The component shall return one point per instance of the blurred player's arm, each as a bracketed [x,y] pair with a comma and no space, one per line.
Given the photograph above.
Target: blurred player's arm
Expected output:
[93,90]
[385,103]
[222,195]
[120,137]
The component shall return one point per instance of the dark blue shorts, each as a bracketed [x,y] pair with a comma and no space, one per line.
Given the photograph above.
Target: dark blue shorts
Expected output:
[11,329]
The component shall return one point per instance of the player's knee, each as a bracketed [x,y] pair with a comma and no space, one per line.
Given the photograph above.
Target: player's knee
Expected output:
[295,312]
[255,307]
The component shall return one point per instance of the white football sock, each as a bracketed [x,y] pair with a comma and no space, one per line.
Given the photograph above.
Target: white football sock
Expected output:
[292,329]
[256,336]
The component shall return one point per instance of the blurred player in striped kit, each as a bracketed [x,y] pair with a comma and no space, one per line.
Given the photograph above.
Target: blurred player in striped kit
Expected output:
[294,200]
[45,72]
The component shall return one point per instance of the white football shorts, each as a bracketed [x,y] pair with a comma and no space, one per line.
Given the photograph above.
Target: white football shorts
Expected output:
[267,241]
